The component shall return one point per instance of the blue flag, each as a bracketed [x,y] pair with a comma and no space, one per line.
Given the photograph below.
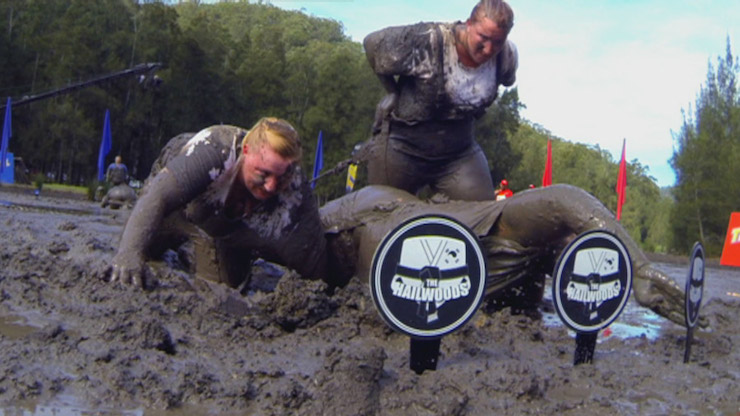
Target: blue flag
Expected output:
[7,132]
[318,161]
[105,146]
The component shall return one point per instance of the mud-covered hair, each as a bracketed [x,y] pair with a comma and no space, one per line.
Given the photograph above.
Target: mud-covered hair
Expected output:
[277,133]
[497,10]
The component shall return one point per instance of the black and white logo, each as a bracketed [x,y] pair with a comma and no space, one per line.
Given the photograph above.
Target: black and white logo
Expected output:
[428,276]
[694,285]
[592,281]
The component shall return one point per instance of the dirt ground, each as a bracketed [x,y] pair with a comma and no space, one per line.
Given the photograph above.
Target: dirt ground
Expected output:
[73,344]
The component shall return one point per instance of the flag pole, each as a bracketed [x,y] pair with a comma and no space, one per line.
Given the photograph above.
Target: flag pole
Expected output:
[105,145]
[318,160]
[547,176]
[7,133]
[621,181]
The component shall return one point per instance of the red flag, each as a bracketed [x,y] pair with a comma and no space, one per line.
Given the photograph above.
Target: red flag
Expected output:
[621,182]
[547,177]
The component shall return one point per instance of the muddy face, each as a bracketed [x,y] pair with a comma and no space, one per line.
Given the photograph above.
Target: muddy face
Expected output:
[482,40]
[264,171]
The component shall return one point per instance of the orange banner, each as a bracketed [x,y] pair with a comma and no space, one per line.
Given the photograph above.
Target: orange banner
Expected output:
[731,251]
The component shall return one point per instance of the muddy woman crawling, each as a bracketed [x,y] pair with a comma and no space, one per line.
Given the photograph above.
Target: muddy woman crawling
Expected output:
[238,195]
[232,194]
[522,237]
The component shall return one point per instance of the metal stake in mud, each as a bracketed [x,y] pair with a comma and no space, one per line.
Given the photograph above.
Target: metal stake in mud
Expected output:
[427,279]
[424,354]
[694,294]
[585,347]
[592,281]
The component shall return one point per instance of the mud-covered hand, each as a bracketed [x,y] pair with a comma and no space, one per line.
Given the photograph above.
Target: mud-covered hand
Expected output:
[162,195]
[386,105]
[129,268]
[384,109]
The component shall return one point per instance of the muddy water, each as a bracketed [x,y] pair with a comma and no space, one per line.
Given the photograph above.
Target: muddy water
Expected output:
[72,344]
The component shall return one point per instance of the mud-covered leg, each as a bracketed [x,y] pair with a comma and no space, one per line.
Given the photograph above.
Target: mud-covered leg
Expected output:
[556,214]
[658,292]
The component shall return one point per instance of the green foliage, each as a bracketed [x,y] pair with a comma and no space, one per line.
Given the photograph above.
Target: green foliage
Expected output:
[493,131]
[38,181]
[707,146]
[644,213]
[228,62]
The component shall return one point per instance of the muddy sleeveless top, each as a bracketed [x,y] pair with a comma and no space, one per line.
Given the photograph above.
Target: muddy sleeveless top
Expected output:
[438,97]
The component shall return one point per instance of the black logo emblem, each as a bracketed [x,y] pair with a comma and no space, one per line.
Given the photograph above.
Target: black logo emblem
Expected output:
[592,281]
[428,276]
[694,285]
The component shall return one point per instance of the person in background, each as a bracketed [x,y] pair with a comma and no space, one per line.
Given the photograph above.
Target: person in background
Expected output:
[234,195]
[503,190]
[117,172]
[440,77]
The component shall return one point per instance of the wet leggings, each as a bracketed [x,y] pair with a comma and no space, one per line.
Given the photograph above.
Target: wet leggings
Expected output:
[465,177]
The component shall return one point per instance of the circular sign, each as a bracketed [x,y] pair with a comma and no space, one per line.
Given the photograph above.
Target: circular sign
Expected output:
[694,284]
[428,276]
[592,281]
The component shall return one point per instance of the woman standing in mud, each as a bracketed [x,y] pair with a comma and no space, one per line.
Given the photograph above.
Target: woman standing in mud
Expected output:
[439,78]
[233,194]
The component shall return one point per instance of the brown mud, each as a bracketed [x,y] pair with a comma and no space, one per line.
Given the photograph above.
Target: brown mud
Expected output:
[73,343]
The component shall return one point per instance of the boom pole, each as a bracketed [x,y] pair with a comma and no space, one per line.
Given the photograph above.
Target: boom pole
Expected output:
[138,69]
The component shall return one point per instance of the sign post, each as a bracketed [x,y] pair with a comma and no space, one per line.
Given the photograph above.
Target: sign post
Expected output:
[591,285]
[428,278]
[694,294]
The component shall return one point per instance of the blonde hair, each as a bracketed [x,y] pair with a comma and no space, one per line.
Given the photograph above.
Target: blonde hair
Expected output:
[497,10]
[277,133]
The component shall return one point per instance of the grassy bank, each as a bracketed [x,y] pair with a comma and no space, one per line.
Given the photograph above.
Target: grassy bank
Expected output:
[49,189]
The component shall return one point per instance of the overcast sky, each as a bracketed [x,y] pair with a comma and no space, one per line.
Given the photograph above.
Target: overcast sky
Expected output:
[590,71]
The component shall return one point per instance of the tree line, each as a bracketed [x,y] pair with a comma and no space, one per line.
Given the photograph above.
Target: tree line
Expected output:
[705,160]
[234,62]
[224,63]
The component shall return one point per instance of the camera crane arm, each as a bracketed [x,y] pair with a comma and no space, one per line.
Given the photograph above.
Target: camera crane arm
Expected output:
[137,70]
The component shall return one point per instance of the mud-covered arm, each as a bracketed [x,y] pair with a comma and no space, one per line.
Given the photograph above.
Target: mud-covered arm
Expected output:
[507,62]
[160,198]
[181,180]
[400,51]
[388,51]
[397,51]
[305,247]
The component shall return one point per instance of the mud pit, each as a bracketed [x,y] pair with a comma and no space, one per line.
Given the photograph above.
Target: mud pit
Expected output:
[72,343]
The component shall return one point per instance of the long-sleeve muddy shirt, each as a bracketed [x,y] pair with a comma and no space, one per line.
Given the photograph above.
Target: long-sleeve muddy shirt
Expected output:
[284,229]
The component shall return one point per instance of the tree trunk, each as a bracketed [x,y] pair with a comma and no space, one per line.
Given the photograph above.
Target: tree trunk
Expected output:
[10,22]
[698,214]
